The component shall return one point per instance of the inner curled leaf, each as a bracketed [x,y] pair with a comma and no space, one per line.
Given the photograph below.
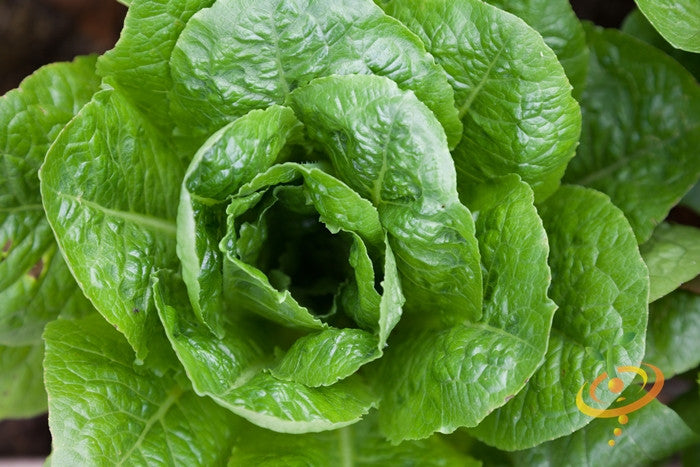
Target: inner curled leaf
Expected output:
[291,234]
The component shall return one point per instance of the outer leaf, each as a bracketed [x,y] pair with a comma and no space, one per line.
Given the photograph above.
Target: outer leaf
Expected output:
[672,255]
[673,337]
[229,158]
[223,69]
[22,391]
[561,30]
[35,285]
[357,445]
[31,302]
[139,63]
[230,371]
[511,92]
[110,188]
[650,141]
[601,285]
[637,25]
[688,406]
[106,412]
[387,146]
[454,377]
[692,198]
[653,433]
[677,20]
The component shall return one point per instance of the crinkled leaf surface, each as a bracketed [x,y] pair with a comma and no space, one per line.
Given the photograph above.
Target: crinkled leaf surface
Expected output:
[22,391]
[636,24]
[601,286]
[338,208]
[139,64]
[385,144]
[358,445]
[677,20]
[652,434]
[213,364]
[221,68]
[110,188]
[230,370]
[455,376]
[105,410]
[511,92]
[31,302]
[323,358]
[229,158]
[35,284]
[672,255]
[640,151]
[673,335]
[561,30]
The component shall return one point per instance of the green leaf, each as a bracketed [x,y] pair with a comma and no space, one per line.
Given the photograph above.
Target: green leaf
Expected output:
[601,285]
[222,69]
[214,365]
[652,433]
[455,376]
[323,358]
[386,145]
[672,255]
[230,370]
[561,30]
[339,208]
[110,188]
[357,445]
[22,393]
[636,24]
[31,302]
[687,407]
[641,150]
[35,285]
[595,353]
[139,64]
[673,335]
[677,20]
[290,407]
[692,198]
[109,412]
[511,92]
[229,158]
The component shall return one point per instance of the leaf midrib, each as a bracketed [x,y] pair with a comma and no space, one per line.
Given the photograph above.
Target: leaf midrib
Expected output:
[470,98]
[25,208]
[637,153]
[173,395]
[345,442]
[165,226]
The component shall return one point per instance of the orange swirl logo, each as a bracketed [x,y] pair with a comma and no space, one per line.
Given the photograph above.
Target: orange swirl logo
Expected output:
[616,385]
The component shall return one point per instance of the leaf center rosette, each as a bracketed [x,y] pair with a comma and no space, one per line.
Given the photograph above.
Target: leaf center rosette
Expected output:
[292,282]
[294,270]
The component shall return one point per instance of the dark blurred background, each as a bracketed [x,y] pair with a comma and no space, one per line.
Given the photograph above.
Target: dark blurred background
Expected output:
[37,32]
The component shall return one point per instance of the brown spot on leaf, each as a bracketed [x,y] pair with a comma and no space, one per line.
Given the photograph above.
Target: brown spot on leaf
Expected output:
[35,271]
